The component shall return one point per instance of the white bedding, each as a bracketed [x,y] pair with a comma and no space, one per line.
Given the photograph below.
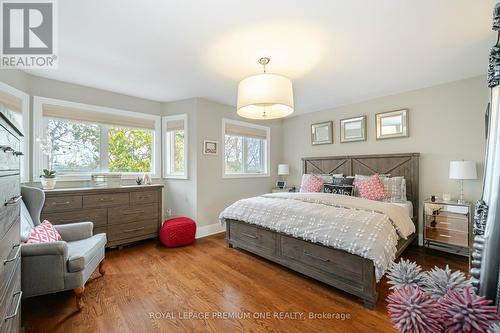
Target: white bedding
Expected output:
[370,229]
[407,205]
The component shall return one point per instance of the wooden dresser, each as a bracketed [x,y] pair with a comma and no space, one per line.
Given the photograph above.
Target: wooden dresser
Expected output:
[126,214]
[10,240]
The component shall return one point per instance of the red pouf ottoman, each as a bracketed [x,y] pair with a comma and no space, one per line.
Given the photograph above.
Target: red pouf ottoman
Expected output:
[178,231]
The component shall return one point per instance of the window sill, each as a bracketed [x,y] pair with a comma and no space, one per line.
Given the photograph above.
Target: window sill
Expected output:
[245,175]
[87,177]
[176,177]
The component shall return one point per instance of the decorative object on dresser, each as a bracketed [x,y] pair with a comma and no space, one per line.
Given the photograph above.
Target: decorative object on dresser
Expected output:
[10,241]
[210,147]
[48,179]
[53,266]
[107,179]
[126,213]
[392,124]
[283,170]
[463,170]
[346,271]
[447,225]
[353,129]
[322,133]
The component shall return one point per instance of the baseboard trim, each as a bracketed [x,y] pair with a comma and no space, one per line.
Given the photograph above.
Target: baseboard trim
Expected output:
[208,230]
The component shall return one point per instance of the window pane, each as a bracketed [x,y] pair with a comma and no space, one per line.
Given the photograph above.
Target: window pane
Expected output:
[233,154]
[130,149]
[73,147]
[254,155]
[178,152]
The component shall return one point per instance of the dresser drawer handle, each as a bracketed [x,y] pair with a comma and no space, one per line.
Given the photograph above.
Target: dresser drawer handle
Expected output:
[14,258]
[134,212]
[132,230]
[20,293]
[61,203]
[75,220]
[447,236]
[106,199]
[6,148]
[249,236]
[13,200]
[307,254]
[17,153]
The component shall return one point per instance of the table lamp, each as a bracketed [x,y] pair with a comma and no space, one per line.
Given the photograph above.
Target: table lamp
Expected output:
[283,170]
[462,170]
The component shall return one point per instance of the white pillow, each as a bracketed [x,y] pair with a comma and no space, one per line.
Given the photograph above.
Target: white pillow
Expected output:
[26,223]
[395,186]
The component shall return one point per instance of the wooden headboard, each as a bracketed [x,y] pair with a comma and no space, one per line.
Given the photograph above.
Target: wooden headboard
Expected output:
[405,165]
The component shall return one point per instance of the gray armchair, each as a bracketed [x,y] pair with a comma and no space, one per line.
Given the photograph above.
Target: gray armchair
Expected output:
[57,266]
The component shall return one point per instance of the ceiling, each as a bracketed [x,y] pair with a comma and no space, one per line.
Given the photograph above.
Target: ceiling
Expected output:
[336,51]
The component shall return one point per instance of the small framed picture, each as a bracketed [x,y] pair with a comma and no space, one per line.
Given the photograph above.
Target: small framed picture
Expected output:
[353,129]
[210,147]
[392,124]
[322,133]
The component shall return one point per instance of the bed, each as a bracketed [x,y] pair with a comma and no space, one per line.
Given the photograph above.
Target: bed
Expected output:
[354,269]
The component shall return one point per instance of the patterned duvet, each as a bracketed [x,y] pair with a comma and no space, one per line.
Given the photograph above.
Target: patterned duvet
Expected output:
[367,228]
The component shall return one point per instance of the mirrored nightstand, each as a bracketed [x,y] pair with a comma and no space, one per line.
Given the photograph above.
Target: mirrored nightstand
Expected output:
[447,225]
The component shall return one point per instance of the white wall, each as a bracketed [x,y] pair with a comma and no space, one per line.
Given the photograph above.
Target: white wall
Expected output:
[205,194]
[446,123]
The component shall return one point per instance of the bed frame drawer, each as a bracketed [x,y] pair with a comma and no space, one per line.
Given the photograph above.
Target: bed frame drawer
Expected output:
[256,238]
[321,258]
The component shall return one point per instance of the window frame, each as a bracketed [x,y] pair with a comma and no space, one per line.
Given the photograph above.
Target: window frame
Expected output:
[39,127]
[25,141]
[266,154]
[167,151]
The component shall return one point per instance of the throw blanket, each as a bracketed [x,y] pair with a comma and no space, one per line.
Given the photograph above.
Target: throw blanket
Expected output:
[363,227]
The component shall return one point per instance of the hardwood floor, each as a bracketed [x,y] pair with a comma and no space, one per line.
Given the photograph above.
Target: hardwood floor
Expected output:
[208,279]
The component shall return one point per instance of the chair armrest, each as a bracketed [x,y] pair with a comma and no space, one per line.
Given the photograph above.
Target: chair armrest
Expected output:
[58,248]
[75,231]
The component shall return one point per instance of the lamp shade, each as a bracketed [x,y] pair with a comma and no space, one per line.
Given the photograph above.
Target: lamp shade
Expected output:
[265,96]
[283,170]
[463,170]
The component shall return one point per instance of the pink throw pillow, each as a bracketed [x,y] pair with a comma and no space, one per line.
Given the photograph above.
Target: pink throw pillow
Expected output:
[371,188]
[43,233]
[312,184]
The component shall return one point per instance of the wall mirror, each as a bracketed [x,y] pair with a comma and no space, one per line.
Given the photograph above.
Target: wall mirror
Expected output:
[392,124]
[322,133]
[353,129]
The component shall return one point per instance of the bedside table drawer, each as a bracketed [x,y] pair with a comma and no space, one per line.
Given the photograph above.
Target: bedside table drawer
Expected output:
[447,236]
[443,222]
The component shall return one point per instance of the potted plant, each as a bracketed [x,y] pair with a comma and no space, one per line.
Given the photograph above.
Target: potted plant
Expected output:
[48,179]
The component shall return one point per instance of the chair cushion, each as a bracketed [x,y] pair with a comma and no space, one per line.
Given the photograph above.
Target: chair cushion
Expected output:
[26,222]
[43,233]
[81,252]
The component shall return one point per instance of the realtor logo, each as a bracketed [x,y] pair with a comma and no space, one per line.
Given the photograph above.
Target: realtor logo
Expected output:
[28,34]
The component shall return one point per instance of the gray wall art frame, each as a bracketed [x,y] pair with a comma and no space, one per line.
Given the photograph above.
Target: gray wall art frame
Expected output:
[322,133]
[392,124]
[353,129]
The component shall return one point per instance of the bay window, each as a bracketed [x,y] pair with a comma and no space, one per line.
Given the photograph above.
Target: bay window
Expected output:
[175,146]
[76,140]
